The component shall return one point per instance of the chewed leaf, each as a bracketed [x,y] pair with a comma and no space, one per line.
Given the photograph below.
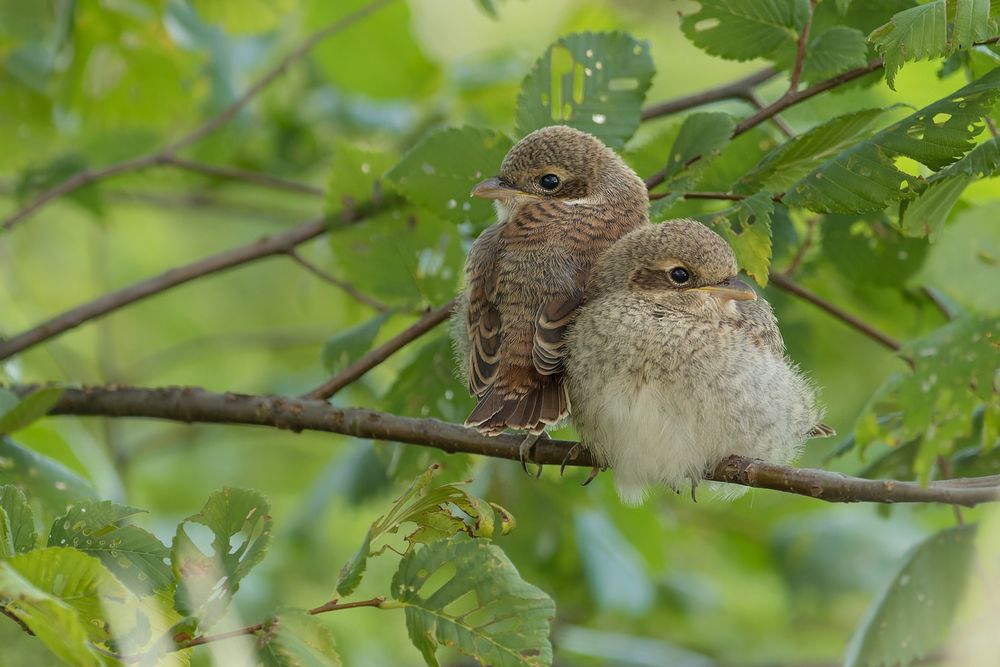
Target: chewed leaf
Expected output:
[595,82]
[747,228]
[742,30]
[466,593]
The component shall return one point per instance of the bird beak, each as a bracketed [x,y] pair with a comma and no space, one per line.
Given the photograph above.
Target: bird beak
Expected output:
[494,188]
[730,290]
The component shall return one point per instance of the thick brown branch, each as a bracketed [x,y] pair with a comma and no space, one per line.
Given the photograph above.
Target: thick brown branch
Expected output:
[197,405]
[167,153]
[382,352]
[254,177]
[735,90]
[785,283]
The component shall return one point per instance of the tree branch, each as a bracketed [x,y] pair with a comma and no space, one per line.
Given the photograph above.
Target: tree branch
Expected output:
[800,51]
[164,155]
[343,285]
[381,353]
[254,177]
[734,90]
[189,405]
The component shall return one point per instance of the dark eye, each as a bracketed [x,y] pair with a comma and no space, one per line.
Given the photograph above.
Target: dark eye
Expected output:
[679,275]
[549,181]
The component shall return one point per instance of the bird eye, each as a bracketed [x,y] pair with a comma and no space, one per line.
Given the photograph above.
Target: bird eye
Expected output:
[549,181]
[679,275]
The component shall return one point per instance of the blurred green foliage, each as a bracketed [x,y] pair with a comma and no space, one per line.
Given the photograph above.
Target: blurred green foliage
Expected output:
[885,199]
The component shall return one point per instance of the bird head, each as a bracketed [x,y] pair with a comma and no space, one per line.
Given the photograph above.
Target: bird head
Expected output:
[562,164]
[680,264]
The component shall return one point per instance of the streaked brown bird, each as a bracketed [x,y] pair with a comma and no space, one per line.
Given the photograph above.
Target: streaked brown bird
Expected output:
[674,364]
[562,198]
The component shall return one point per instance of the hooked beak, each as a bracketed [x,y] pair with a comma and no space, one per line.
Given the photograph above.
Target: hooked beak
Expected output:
[730,290]
[494,188]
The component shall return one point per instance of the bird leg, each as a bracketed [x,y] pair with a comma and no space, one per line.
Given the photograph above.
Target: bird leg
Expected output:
[524,452]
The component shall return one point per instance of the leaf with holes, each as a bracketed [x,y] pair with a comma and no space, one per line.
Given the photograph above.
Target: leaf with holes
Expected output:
[953,376]
[465,593]
[241,530]
[293,638]
[912,616]
[437,512]
[440,172]
[981,161]
[926,213]
[863,177]
[749,235]
[593,81]
[345,347]
[701,138]
[747,29]
[20,519]
[27,409]
[101,529]
[931,30]
[834,51]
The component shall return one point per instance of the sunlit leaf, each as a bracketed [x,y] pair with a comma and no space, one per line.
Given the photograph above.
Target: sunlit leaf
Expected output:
[595,82]
[747,228]
[912,615]
[245,16]
[20,519]
[747,29]
[293,638]
[466,593]
[241,532]
[27,409]
[133,554]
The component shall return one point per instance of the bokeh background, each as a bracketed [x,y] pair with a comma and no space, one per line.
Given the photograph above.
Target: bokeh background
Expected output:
[770,579]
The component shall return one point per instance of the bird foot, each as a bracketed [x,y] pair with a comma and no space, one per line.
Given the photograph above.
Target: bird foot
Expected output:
[526,450]
[694,488]
[571,455]
[594,472]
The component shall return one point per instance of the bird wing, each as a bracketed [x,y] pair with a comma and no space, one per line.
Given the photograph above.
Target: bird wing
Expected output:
[548,348]
[483,322]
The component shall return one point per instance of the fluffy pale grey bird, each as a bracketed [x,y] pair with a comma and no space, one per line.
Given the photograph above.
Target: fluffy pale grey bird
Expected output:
[674,364]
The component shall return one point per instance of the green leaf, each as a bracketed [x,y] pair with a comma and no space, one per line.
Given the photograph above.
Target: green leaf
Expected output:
[133,554]
[46,481]
[834,51]
[429,385]
[245,16]
[6,536]
[926,214]
[795,158]
[981,161]
[466,593]
[701,138]
[207,582]
[294,638]
[912,616]
[747,29]
[863,177]
[440,172]
[54,622]
[20,520]
[593,81]
[353,175]
[345,347]
[869,251]
[751,239]
[437,512]
[28,409]
[953,376]
[935,29]
[488,6]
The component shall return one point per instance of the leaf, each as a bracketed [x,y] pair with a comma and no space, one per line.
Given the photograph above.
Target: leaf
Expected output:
[935,29]
[20,519]
[614,571]
[926,214]
[912,615]
[863,177]
[795,158]
[429,385]
[243,16]
[983,160]
[207,582]
[46,481]
[869,251]
[466,593]
[354,173]
[133,554]
[751,240]
[953,375]
[702,137]
[438,512]
[294,638]
[489,7]
[345,347]
[747,29]
[28,409]
[440,172]
[833,52]
[593,81]
[55,623]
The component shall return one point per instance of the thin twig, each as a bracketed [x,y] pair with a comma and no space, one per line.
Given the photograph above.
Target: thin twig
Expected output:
[162,156]
[735,90]
[191,405]
[807,242]
[232,174]
[938,299]
[785,283]
[721,196]
[343,285]
[800,51]
[779,122]
[382,352]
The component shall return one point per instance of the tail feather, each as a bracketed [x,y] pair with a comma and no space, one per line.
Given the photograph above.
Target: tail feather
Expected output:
[530,411]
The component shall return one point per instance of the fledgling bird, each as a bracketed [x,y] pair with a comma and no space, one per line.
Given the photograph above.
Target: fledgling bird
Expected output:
[674,364]
[562,198]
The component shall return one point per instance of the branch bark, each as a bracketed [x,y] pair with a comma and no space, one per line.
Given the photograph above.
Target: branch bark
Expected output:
[739,89]
[189,405]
